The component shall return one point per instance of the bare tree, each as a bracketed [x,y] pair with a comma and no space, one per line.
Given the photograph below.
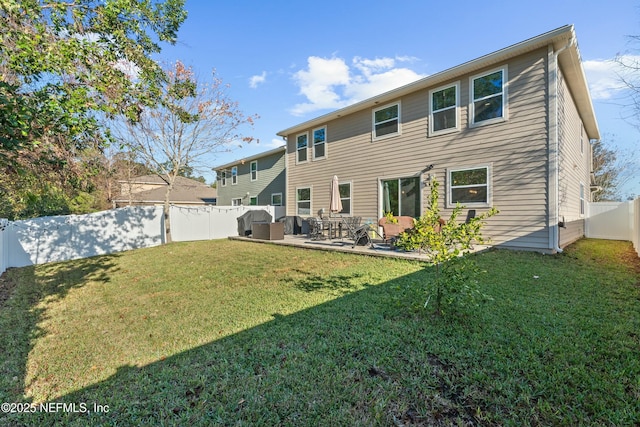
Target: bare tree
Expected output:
[629,75]
[612,169]
[195,122]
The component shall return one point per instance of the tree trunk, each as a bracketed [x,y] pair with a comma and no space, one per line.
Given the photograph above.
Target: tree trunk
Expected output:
[167,220]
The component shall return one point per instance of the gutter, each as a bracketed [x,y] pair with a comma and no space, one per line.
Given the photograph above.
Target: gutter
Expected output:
[554,149]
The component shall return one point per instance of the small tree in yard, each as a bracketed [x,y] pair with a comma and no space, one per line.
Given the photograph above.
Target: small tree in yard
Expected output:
[446,242]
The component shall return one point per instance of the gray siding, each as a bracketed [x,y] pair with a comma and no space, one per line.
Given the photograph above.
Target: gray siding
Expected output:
[574,163]
[573,231]
[515,149]
[271,179]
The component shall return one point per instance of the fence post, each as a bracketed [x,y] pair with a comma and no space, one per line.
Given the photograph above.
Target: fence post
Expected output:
[4,245]
[635,227]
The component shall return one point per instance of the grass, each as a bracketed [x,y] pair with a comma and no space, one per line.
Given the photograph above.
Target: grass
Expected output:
[236,333]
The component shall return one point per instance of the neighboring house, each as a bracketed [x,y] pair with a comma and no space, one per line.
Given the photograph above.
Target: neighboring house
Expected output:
[253,180]
[151,190]
[511,130]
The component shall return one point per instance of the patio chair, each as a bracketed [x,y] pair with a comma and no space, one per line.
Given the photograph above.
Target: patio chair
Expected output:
[316,229]
[350,225]
[361,236]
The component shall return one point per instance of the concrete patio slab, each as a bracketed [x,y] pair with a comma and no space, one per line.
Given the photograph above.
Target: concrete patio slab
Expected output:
[376,249]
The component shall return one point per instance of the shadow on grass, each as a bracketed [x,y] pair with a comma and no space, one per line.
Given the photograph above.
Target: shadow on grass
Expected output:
[337,284]
[343,362]
[369,358]
[23,308]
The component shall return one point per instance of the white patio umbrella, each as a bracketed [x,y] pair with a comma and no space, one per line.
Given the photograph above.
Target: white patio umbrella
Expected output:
[335,204]
[387,198]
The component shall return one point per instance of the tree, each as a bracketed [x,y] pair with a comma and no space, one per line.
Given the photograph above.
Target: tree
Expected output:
[193,123]
[65,66]
[611,170]
[605,172]
[445,242]
[185,171]
[629,76]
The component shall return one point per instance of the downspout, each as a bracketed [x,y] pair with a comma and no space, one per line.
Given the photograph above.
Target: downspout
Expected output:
[554,154]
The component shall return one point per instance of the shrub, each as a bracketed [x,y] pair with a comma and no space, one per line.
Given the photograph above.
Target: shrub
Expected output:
[445,242]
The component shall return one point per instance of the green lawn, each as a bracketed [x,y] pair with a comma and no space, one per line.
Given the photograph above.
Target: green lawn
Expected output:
[237,333]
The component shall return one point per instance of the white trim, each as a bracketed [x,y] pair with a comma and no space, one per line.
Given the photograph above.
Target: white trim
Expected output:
[350,213]
[456,128]
[373,121]
[505,95]
[276,194]
[234,177]
[310,200]
[298,161]
[251,170]
[449,199]
[313,143]
[398,178]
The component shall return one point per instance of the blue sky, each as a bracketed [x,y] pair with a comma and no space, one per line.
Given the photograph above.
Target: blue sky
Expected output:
[291,61]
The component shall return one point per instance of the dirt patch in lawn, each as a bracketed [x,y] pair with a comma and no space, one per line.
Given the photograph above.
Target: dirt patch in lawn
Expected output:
[631,259]
[6,288]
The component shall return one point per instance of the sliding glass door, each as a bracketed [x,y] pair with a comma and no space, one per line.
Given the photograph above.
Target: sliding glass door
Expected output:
[401,196]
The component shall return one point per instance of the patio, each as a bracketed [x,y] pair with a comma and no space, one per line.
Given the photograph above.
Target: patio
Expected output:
[377,248]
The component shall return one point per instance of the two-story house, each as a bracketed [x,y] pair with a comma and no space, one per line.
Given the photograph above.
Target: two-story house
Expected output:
[511,129]
[255,180]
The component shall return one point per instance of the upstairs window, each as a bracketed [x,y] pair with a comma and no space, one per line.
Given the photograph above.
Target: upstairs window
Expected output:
[320,143]
[386,121]
[488,95]
[469,187]
[444,110]
[302,142]
[234,175]
[223,178]
[254,170]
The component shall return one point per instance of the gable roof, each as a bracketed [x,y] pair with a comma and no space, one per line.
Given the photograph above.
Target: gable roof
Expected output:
[185,191]
[160,180]
[251,158]
[560,38]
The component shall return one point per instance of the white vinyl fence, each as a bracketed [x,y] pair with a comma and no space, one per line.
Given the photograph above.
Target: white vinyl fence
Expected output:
[61,238]
[211,222]
[615,221]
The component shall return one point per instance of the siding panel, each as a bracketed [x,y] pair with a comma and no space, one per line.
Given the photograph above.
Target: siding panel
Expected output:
[516,150]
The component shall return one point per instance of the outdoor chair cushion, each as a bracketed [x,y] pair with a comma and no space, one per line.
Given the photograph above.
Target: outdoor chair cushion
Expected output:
[391,230]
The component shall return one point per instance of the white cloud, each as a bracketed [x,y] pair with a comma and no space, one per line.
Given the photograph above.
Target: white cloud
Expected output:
[329,83]
[275,143]
[256,80]
[319,84]
[605,76]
